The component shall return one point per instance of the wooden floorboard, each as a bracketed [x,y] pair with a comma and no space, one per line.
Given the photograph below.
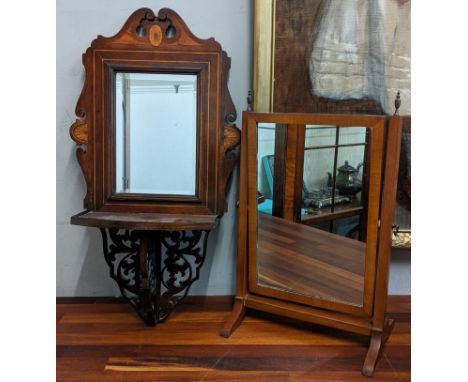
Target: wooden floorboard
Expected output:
[106,341]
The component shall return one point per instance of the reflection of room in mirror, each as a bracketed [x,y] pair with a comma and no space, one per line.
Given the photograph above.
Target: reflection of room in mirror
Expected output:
[266,149]
[334,162]
[318,163]
[302,260]
[297,258]
[156,133]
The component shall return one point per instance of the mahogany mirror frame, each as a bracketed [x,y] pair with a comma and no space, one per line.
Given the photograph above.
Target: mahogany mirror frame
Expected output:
[368,320]
[150,43]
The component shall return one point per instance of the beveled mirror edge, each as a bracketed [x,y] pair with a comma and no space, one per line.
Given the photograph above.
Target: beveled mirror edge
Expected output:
[155,107]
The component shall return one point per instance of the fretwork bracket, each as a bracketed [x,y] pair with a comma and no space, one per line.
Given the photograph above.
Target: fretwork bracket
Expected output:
[154,269]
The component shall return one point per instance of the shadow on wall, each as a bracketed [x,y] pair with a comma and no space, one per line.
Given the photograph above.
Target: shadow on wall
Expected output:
[217,275]
[200,287]
[95,280]
[94,277]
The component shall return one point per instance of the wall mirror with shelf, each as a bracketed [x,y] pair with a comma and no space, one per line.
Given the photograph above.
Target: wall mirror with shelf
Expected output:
[318,208]
[157,145]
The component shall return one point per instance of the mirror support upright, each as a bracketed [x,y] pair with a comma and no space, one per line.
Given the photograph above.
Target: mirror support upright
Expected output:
[154,243]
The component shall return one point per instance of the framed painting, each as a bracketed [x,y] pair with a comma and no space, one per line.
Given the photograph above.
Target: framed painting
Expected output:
[331,56]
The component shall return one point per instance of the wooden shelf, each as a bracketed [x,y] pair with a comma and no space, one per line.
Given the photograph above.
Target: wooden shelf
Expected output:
[325,214]
[145,221]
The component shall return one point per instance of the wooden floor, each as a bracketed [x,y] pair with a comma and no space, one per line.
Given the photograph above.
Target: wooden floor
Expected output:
[108,342]
[304,260]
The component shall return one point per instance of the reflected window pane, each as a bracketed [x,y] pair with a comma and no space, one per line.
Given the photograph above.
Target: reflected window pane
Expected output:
[334,164]
[320,135]
[352,134]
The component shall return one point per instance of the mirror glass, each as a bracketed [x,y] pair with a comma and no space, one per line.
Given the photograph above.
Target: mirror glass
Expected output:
[320,250]
[156,133]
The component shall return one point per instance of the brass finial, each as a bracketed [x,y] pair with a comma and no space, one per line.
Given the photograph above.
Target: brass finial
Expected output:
[249,101]
[397,103]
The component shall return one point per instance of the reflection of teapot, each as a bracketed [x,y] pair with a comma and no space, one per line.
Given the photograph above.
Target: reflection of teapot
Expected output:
[347,180]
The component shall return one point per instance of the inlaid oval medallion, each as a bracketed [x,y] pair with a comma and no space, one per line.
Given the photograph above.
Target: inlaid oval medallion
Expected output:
[155,35]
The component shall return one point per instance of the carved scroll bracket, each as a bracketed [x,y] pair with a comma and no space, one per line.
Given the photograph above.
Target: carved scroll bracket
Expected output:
[79,133]
[231,137]
[80,129]
[154,269]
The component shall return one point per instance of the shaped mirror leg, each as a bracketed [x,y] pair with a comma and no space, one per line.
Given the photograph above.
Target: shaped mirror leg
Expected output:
[377,342]
[234,319]
[154,269]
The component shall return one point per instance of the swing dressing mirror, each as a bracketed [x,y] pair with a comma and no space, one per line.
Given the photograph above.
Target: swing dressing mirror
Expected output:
[317,194]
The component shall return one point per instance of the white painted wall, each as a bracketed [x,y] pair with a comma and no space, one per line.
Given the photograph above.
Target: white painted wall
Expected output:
[81,269]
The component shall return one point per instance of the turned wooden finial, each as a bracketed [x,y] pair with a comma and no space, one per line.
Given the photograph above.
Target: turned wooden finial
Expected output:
[397,103]
[249,101]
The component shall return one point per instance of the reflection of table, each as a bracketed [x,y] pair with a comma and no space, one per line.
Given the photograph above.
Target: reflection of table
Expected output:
[401,238]
[325,214]
[304,260]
